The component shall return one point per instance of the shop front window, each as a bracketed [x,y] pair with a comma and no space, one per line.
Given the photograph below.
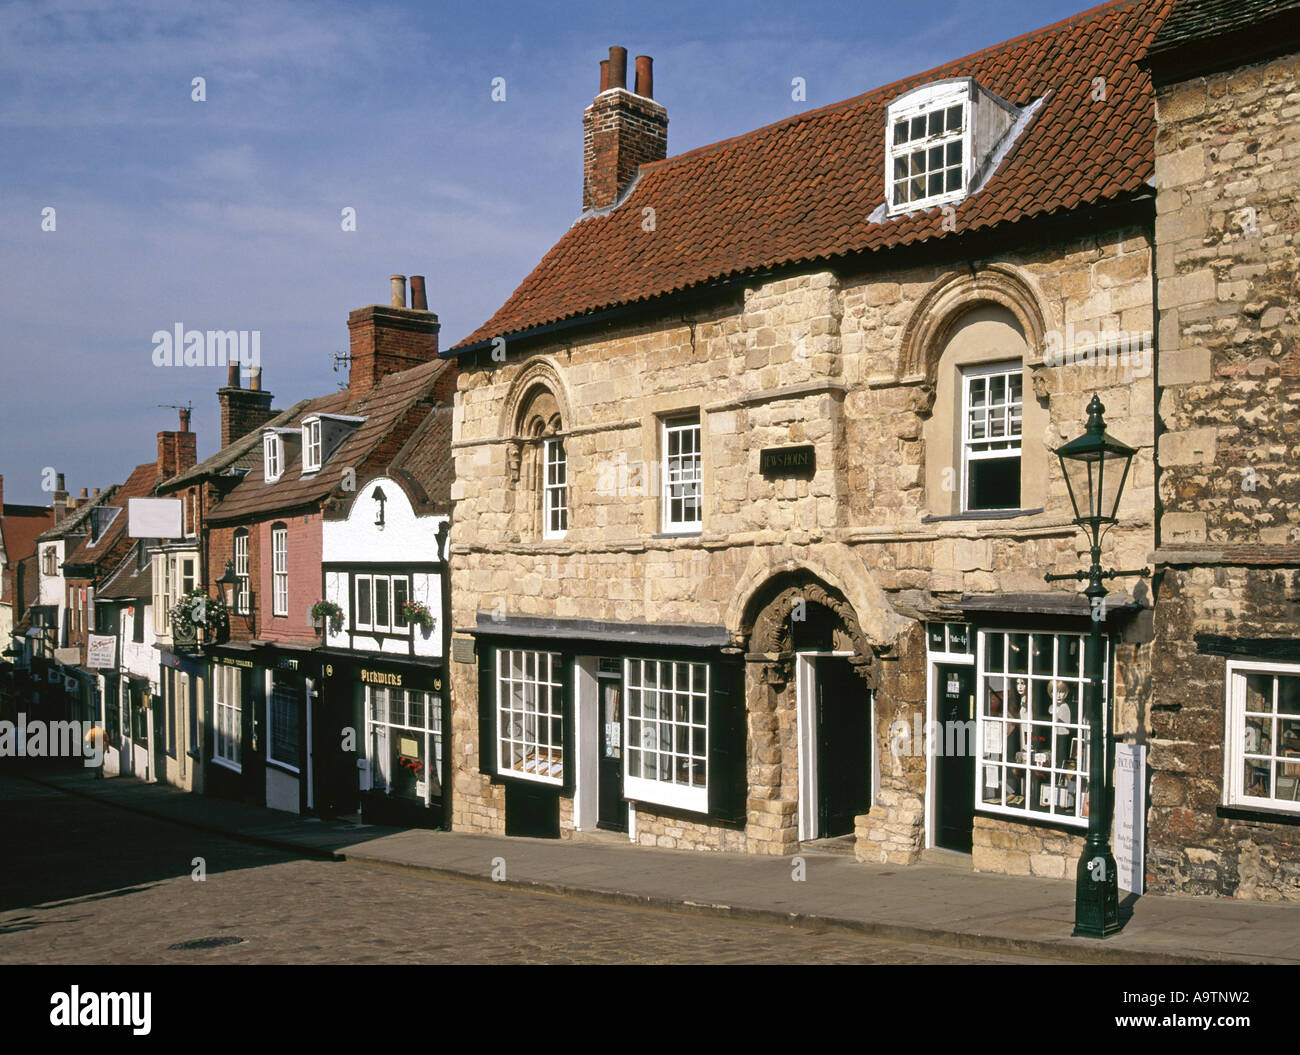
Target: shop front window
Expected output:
[405,743]
[227,715]
[667,733]
[282,736]
[1263,744]
[1032,729]
[530,715]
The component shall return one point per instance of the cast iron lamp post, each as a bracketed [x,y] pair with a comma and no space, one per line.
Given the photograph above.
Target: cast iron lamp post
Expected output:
[1096,466]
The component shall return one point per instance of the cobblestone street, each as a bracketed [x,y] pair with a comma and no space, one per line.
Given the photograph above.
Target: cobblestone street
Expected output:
[88,883]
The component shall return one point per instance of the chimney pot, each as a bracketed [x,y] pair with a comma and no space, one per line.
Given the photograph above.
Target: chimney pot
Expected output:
[398,282]
[419,298]
[604,75]
[645,77]
[232,375]
[255,380]
[84,494]
[185,423]
[617,67]
[95,492]
[61,486]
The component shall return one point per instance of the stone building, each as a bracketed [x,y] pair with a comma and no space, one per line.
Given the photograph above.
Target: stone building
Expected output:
[754,477]
[1225,707]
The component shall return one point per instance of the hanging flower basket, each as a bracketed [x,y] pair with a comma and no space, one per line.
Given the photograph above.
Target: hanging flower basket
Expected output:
[323,610]
[197,611]
[418,614]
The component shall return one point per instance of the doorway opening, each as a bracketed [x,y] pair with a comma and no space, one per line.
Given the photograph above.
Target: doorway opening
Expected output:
[834,733]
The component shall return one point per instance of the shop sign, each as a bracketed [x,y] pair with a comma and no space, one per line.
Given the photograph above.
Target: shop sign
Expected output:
[396,680]
[1130,814]
[787,461]
[101,650]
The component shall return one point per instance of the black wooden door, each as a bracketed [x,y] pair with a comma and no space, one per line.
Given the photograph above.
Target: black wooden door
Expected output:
[843,747]
[613,810]
[954,757]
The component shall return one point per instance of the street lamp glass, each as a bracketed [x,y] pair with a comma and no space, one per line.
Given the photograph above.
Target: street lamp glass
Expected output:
[1096,467]
[228,582]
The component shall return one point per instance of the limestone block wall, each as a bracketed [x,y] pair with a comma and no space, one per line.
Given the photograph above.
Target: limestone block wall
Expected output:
[1228,267]
[848,363]
[1227,164]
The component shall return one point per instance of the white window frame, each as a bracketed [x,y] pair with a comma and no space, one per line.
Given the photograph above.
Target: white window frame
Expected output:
[311,447]
[995,730]
[555,489]
[1012,416]
[397,625]
[676,482]
[243,597]
[161,593]
[227,716]
[1235,753]
[378,730]
[280,571]
[539,679]
[272,456]
[666,727]
[919,105]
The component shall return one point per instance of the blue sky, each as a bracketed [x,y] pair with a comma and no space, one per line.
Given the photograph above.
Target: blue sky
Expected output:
[225,214]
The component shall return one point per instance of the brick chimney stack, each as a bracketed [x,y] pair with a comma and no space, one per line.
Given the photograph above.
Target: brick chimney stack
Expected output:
[59,500]
[621,130]
[243,409]
[177,451]
[385,339]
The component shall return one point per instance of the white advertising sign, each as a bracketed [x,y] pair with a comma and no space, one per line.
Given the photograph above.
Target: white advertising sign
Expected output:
[153,517]
[101,650]
[1130,814]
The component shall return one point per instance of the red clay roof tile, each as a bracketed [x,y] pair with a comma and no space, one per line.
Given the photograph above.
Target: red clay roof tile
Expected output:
[801,190]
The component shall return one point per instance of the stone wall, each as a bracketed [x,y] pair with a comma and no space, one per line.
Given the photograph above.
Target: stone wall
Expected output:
[1227,165]
[847,363]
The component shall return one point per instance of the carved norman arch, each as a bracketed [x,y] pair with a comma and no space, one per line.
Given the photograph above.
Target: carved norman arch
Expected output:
[536,406]
[952,296]
[769,626]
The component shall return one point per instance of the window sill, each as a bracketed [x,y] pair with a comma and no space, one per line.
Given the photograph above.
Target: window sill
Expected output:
[983,514]
[693,533]
[1260,814]
[283,767]
[1038,820]
[234,767]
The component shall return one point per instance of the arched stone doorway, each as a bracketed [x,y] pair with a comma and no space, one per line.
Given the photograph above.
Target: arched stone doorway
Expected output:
[810,671]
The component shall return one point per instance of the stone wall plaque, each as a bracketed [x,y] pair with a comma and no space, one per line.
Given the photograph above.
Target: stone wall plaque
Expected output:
[462,649]
[787,461]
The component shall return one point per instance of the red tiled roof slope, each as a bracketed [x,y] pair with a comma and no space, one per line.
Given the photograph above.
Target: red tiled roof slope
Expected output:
[139,484]
[393,410]
[802,190]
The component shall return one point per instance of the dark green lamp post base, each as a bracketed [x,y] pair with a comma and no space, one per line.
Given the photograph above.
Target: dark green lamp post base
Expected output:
[1096,897]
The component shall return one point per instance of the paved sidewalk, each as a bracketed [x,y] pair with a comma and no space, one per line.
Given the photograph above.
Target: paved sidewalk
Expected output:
[931,903]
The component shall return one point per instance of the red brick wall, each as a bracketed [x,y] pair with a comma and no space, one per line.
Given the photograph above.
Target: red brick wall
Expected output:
[621,131]
[385,340]
[242,411]
[304,580]
[221,548]
[177,451]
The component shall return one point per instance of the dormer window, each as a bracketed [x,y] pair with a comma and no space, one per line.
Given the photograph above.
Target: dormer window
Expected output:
[938,140]
[311,448]
[272,456]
